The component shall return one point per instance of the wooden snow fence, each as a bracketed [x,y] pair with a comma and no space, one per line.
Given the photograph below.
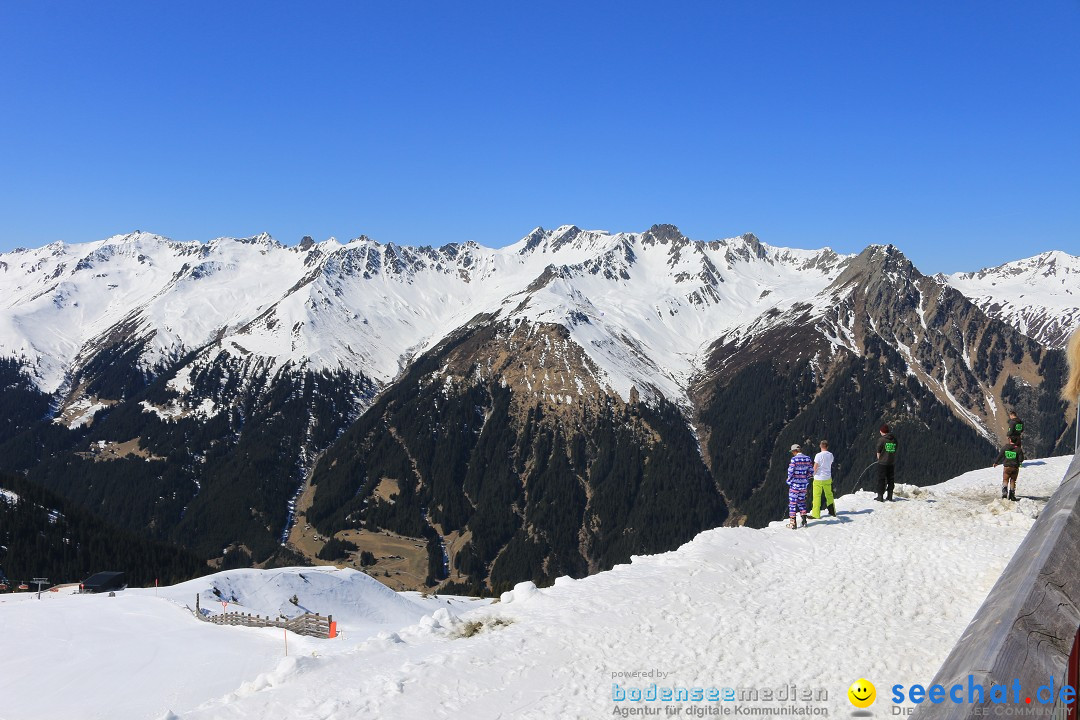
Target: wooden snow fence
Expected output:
[309,624]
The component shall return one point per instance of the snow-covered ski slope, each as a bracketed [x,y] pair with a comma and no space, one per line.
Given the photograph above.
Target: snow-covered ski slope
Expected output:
[882,592]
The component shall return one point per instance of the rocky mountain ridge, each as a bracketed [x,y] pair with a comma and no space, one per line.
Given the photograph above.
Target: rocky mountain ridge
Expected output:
[549,407]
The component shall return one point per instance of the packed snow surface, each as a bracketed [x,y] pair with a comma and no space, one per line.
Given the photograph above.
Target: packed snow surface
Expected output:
[881,592]
[143,653]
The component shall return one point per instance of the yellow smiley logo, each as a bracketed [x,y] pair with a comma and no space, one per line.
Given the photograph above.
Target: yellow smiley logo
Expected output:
[862,693]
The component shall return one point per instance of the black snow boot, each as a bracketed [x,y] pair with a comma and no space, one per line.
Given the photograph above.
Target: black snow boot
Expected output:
[803,521]
[879,498]
[1012,495]
[1004,491]
[832,510]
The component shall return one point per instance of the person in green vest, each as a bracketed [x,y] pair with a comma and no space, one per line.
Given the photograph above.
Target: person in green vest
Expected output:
[823,463]
[1016,428]
[1011,456]
[886,464]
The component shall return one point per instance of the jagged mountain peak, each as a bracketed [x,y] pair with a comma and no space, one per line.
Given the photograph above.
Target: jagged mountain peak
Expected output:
[1044,265]
[877,264]
[135,236]
[563,236]
[563,240]
[1039,295]
[882,309]
[143,246]
[663,234]
[264,240]
[887,254]
[1052,260]
[747,246]
[748,249]
[531,241]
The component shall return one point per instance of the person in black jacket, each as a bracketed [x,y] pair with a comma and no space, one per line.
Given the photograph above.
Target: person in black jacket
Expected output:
[1012,456]
[1016,427]
[886,464]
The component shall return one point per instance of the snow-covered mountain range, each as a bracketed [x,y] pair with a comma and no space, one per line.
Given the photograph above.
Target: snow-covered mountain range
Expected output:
[644,306]
[237,385]
[653,300]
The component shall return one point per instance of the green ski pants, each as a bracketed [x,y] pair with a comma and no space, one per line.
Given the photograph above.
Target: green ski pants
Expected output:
[821,486]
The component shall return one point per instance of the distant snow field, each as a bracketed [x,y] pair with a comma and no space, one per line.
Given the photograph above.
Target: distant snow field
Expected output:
[882,592]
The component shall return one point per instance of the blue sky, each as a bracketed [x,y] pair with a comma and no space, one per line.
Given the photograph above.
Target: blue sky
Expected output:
[949,129]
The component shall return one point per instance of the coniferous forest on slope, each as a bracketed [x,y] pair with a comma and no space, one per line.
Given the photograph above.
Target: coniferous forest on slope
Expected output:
[540,496]
[205,484]
[45,535]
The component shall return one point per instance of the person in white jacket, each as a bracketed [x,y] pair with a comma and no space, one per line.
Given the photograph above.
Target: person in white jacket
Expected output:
[823,463]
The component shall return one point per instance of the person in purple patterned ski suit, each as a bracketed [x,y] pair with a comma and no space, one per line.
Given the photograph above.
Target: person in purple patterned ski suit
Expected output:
[799,474]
